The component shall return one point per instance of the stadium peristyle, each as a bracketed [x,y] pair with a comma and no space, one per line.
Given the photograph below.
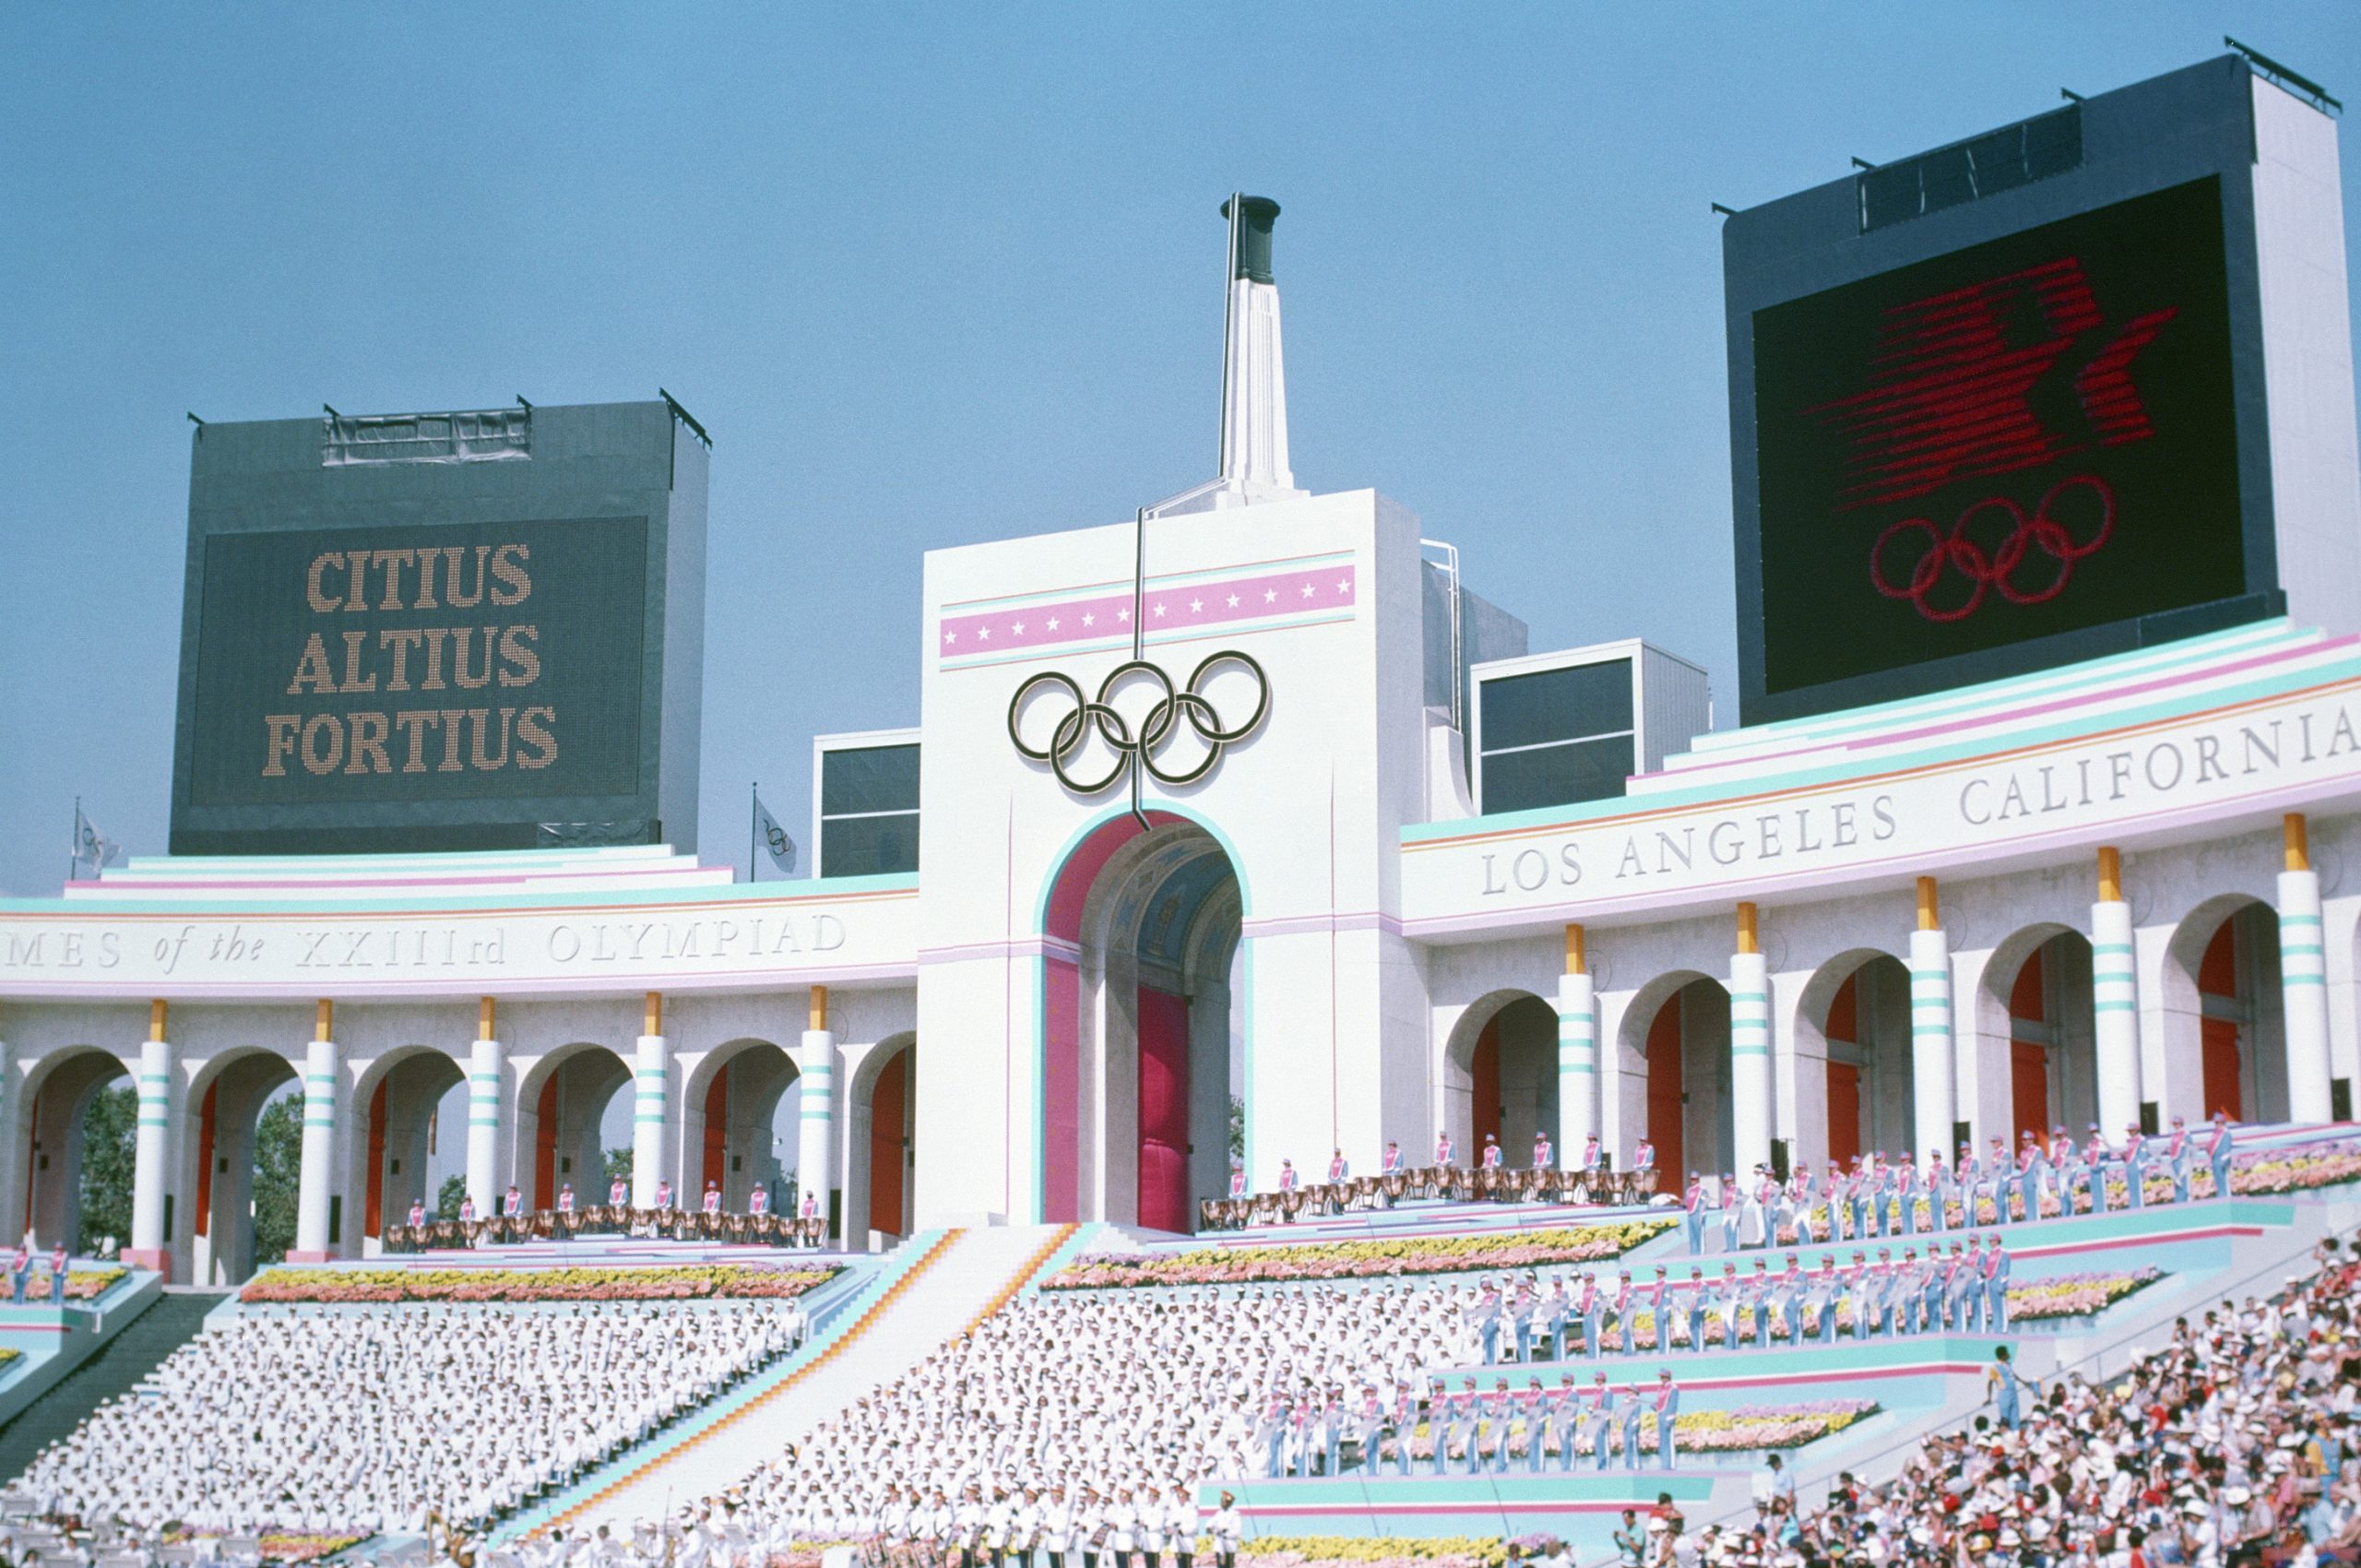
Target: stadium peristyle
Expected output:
[1273,1065]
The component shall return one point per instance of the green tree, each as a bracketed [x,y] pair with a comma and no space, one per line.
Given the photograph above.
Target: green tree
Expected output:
[110,1128]
[447,1201]
[618,1166]
[278,1170]
[1236,1128]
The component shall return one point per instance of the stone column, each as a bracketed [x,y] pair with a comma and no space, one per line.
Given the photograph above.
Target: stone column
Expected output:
[652,1106]
[153,1148]
[1578,1086]
[487,1100]
[815,1147]
[2115,1001]
[2303,979]
[1934,1072]
[319,1139]
[1751,1107]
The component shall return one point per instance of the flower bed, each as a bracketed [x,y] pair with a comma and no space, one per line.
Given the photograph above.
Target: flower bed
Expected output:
[660,1283]
[1356,1260]
[1374,1551]
[2076,1295]
[291,1548]
[88,1284]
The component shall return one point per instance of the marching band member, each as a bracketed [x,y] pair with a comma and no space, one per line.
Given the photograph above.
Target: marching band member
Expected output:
[810,1212]
[1238,1181]
[1629,1410]
[1667,1406]
[416,1213]
[2176,1158]
[2135,1166]
[1587,1303]
[1733,1213]
[758,1202]
[1339,1172]
[2096,1154]
[1492,1157]
[1643,1156]
[1566,1418]
[1996,1284]
[1693,1304]
[1390,1168]
[1446,1153]
[57,1275]
[1288,1177]
[2219,1147]
[1601,1419]
[1693,1213]
[1756,1218]
[712,1197]
[1590,1154]
[1543,1155]
[663,1193]
[512,1206]
[467,1210]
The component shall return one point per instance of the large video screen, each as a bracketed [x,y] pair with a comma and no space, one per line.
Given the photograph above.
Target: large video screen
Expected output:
[2029,437]
[420,663]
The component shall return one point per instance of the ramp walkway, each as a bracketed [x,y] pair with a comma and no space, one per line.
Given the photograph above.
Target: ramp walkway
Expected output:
[931,1291]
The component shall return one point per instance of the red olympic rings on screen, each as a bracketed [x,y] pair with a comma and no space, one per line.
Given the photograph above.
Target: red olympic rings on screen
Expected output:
[1996,570]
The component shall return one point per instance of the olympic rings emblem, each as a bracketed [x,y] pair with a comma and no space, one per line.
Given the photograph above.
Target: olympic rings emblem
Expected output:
[1998,570]
[1161,722]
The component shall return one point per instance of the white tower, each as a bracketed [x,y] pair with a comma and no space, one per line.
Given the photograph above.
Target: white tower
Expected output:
[1253,381]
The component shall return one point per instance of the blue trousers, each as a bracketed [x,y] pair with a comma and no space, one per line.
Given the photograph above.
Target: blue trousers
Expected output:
[1694,1223]
[1996,1304]
[2221,1178]
[2135,1178]
[1491,1342]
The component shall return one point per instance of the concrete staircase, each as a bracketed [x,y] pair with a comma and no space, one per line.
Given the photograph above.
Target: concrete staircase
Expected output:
[952,1280]
[114,1368]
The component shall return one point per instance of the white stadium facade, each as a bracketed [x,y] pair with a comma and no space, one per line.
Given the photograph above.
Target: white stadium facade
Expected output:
[1251,789]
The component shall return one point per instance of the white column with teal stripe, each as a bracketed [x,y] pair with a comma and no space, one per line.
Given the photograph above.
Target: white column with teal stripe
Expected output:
[815,1143]
[319,1148]
[1934,1066]
[651,1119]
[2115,1016]
[1750,1108]
[1577,1067]
[151,1147]
[2303,980]
[487,1068]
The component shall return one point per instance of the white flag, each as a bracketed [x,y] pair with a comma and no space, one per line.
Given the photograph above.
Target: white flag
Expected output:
[775,838]
[92,845]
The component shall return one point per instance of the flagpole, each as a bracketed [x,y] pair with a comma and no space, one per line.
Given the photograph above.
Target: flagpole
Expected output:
[753,823]
[74,839]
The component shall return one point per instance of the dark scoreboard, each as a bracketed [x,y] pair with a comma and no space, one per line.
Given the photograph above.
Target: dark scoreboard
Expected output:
[442,632]
[2029,437]
[2001,406]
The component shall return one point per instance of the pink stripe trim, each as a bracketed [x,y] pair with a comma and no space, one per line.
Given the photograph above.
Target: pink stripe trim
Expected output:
[1229,600]
[515,880]
[1306,1510]
[2008,716]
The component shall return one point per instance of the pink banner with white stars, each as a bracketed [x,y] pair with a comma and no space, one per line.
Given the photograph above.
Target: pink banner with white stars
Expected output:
[1321,589]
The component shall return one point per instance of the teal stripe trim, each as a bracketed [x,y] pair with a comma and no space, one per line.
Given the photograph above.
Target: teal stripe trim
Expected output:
[2113,1007]
[1925,1029]
[154,1122]
[1749,1050]
[2123,948]
[2299,919]
[2303,980]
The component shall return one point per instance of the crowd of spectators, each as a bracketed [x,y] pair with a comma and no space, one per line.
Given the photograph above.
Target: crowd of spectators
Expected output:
[2235,1445]
[358,1420]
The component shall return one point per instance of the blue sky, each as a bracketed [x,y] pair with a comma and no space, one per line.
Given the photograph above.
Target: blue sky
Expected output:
[929,275]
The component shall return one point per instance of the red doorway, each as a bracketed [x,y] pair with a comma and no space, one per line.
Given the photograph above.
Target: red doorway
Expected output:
[2029,1060]
[1666,1093]
[1843,1078]
[1164,1111]
[1843,1112]
[2218,976]
[888,1151]
[1484,1089]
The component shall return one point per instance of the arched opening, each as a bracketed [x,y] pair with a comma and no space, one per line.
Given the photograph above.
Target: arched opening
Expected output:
[245,1133]
[1138,1047]
[1501,1078]
[2043,977]
[729,1136]
[1684,1024]
[1864,1023]
[402,1137]
[2225,961]
[561,1120]
[77,1122]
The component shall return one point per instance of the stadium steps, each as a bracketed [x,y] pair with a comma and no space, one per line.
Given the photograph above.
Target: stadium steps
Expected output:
[950,1282]
[116,1367]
